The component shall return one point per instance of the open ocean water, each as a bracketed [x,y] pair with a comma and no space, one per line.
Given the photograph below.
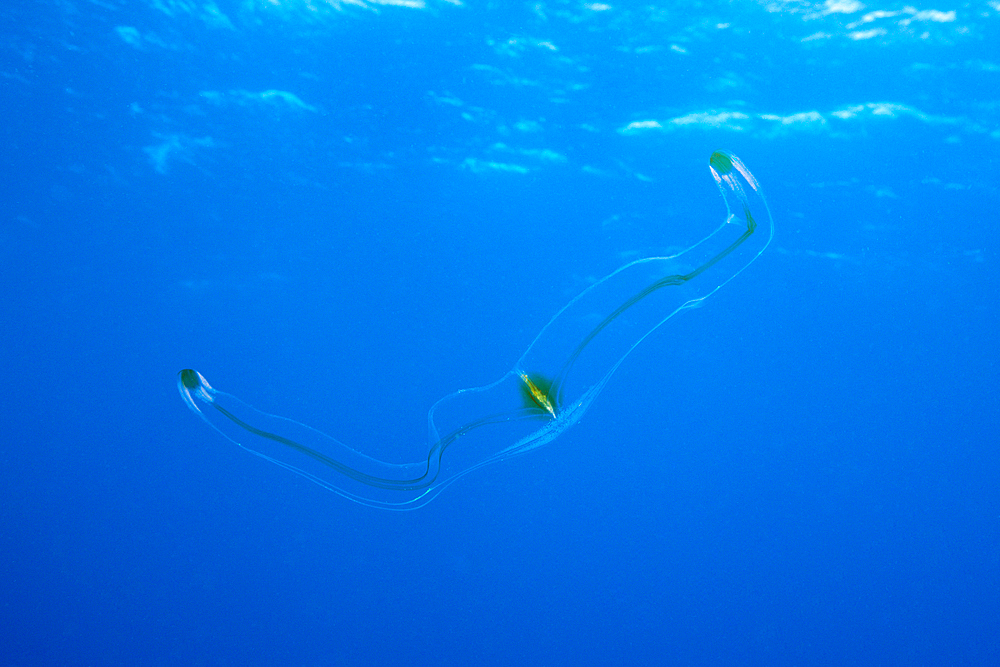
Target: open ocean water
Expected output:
[341,212]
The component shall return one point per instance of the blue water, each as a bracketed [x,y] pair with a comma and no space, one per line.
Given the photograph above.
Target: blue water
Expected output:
[343,213]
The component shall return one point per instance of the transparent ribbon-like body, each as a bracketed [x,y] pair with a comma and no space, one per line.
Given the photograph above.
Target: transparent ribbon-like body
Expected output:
[546,392]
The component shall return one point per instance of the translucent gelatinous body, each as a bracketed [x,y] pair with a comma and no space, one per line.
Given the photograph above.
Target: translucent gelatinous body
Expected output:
[547,391]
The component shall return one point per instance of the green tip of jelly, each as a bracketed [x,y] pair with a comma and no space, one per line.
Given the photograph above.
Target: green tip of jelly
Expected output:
[721,162]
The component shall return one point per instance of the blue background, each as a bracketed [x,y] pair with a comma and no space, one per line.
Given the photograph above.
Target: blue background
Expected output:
[804,471]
